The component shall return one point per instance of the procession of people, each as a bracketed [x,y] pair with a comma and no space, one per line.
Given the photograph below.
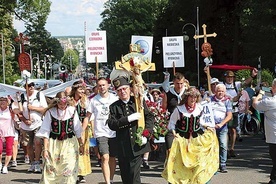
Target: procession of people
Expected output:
[125,117]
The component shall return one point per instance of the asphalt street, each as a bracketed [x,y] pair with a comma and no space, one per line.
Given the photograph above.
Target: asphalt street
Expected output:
[251,166]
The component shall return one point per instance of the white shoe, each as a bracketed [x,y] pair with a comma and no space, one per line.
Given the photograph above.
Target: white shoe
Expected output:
[5,170]
[14,163]
[0,166]
[27,160]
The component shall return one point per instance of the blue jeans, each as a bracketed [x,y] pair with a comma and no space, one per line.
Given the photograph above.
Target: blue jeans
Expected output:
[222,135]
[240,123]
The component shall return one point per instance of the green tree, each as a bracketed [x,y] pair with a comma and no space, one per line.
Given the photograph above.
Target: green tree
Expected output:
[122,19]
[36,13]
[70,59]
[6,10]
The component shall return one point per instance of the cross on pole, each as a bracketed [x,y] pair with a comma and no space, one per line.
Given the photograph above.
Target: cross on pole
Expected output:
[207,51]
[21,39]
[205,35]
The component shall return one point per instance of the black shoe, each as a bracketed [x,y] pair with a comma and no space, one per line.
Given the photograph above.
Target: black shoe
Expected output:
[146,164]
[232,153]
[223,169]
[99,163]
[81,179]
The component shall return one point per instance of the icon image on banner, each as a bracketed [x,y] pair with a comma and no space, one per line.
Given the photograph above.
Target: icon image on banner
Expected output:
[144,46]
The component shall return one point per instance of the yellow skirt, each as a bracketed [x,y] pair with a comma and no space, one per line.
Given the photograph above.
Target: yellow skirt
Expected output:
[193,160]
[84,160]
[62,165]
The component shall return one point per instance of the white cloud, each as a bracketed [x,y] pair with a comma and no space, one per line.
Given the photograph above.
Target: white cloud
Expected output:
[67,17]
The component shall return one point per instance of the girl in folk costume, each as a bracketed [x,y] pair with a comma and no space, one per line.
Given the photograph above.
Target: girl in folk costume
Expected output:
[61,132]
[81,103]
[194,153]
[7,132]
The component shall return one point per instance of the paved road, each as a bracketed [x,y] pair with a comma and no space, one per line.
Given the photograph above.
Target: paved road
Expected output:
[252,166]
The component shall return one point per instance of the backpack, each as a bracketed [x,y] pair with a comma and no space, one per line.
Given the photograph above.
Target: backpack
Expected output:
[36,98]
[235,87]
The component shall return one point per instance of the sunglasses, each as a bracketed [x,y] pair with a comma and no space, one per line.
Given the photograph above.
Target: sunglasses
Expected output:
[3,99]
[122,89]
[31,85]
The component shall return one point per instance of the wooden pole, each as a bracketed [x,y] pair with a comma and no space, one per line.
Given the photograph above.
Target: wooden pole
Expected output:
[27,94]
[97,68]
[141,121]
[209,80]
[173,68]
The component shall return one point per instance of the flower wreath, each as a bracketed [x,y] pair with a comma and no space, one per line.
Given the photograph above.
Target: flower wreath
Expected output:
[140,133]
[160,128]
[161,117]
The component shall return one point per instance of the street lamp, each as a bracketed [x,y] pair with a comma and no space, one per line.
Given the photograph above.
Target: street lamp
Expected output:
[13,50]
[186,38]
[157,48]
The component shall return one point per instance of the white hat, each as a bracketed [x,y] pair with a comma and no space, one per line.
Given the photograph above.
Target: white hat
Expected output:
[214,80]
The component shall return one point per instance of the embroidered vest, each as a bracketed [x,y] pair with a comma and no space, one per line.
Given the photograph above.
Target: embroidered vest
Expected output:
[81,112]
[188,126]
[62,129]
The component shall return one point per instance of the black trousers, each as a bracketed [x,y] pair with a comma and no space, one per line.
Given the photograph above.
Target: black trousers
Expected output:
[272,153]
[130,169]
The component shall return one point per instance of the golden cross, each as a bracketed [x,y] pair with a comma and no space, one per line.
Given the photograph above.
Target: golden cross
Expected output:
[132,60]
[205,35]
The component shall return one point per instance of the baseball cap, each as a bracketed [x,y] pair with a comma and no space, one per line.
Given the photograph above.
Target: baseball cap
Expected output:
[214,80]
[229,73]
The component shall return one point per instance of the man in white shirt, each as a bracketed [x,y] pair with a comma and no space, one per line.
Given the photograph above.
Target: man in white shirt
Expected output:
[232,90]
[99,106]
[268,106]
[34,104]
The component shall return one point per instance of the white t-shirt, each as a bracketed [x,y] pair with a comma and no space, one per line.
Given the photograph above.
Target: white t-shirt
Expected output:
[6,124]
[99,106]
[230,89]
[35,116]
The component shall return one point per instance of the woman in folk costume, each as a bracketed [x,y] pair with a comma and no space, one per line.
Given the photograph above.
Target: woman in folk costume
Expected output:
[81,103]
[194,155]
[61,132]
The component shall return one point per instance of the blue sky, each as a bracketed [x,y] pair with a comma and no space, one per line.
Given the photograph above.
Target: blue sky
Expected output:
[67,17]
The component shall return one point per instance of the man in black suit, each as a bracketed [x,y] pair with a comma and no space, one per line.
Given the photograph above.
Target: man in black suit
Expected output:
[123,119]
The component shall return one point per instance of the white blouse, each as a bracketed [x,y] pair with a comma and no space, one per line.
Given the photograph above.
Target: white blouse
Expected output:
[45,129]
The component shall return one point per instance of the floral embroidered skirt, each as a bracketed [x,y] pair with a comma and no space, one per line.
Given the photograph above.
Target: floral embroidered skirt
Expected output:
[62,165]
[193,160]
[84,160]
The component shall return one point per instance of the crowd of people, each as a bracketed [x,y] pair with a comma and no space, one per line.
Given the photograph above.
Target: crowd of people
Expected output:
[57,132]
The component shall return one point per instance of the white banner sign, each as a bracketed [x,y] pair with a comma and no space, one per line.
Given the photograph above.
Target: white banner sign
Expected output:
[207,118]
[96,47]
[146,44]
[173,51]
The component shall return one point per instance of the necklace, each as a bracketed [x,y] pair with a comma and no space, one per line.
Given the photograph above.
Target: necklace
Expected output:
[105,106]
[189,108]
[61,116]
